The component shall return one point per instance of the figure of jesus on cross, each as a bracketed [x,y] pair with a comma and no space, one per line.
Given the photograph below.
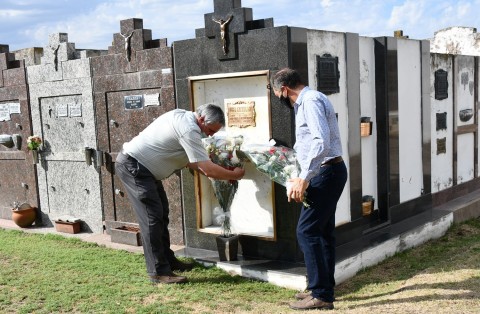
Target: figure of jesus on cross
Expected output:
[223,30]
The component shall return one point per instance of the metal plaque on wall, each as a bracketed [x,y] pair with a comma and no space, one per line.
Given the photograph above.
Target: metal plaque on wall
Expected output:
[441,146]
[241,113]
[133,102]
[328,75]
[441,84]
[441,121]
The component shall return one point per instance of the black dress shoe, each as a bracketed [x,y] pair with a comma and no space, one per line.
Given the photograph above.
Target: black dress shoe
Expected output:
[177,265]
[168,279]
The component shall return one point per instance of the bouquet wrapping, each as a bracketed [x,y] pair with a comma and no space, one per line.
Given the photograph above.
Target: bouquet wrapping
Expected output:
[222,151]
[279,163]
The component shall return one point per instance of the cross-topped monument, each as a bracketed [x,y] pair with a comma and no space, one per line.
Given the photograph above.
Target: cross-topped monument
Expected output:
[227,20]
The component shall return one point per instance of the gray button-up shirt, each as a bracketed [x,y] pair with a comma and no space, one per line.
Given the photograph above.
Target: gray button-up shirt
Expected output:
[317,134]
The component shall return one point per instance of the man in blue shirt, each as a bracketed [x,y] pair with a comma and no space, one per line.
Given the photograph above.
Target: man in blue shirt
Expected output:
[322,178]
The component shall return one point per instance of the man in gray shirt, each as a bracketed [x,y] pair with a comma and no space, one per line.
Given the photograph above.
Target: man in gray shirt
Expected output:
[171,142]
[323,176]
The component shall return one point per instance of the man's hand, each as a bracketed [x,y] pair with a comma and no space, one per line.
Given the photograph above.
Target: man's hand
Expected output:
[239,172]
[297,190]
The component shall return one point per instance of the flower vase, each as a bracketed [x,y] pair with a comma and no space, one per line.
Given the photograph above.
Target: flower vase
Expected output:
[24,216]
[35,156]
[227,247]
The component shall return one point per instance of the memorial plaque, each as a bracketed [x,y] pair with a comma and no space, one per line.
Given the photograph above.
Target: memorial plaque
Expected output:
[4,112]
[441,146]
[14,107]
[151,99]
[133,102]
[441,121]
[62,110]
[328,75]
[441,84]
[75,110]
[240,113]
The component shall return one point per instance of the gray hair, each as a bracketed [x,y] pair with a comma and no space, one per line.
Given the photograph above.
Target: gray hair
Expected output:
[286,77]
[212,114]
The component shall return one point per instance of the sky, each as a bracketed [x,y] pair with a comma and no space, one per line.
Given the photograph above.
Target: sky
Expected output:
[90,24]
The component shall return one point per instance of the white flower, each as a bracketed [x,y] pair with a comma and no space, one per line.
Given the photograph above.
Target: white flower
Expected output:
[290,169]
[235,159]
[223,156]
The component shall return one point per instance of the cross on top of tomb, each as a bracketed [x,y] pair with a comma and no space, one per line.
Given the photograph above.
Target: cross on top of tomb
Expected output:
[227,20]
[58,49]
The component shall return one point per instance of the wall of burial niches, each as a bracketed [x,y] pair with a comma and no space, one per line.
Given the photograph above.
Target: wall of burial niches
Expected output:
[62,111]
[133,85]
[17,170]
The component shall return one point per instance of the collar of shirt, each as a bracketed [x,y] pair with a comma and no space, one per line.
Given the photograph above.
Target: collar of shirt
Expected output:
[298,103]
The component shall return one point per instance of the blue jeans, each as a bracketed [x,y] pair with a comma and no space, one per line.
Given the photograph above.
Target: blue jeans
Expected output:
[316,229]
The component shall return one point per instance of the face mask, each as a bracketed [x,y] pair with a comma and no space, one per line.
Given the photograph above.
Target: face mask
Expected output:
[285,101]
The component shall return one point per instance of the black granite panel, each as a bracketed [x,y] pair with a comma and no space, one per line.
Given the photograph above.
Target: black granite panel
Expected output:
[393,121]
[383,150]
[426,117]
[411,208]
[261,49]
[354,140]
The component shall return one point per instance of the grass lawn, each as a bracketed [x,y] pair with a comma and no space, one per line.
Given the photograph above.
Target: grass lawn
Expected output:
[53,274]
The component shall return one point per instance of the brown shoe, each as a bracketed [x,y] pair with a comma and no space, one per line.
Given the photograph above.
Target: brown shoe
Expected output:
[168,279]
[177,265]
[310,303]
[303,295]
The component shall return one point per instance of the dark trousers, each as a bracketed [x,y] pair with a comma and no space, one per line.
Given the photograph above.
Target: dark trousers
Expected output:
[150,203]
[316,229]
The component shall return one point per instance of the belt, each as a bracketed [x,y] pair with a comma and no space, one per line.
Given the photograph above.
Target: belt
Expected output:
[333,161]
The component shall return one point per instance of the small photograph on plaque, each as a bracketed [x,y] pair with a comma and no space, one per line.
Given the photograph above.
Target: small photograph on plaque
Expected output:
[240,113]
[62,110]
[75,110]
[133,102]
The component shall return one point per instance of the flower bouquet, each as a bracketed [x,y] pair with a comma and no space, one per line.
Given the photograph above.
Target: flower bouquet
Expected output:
[279,163]
[222,151]
[34,142]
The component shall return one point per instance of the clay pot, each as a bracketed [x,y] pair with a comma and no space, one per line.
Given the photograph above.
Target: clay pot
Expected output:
[24,216]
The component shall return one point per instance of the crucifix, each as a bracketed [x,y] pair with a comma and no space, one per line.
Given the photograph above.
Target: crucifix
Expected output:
[224,30]
[128,49]
[55,56]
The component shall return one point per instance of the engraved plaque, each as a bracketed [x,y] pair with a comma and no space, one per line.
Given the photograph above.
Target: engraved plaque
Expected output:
[441,121]
[441,84]
[75,110]
[151,100]
[328,75]
[14,107]
[241,113]
[62,110]
[133,102]
[4,112]
[441,146]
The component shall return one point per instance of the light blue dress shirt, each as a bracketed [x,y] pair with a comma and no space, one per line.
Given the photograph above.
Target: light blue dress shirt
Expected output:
[317,133]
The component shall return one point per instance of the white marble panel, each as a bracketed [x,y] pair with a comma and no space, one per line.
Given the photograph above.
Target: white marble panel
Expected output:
[333,43]
[465,157]
[368,109]
[442,163]
[409,117]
